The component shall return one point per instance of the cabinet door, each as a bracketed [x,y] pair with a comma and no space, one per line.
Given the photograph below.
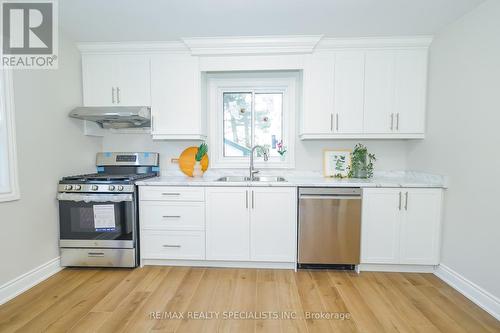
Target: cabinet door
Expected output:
[176,97]
[410,91]
[379,92]
[380,226]
[421,226]
[349,92]
[98,81]
[317,113]
[227,223]
[273,224]
[132,74]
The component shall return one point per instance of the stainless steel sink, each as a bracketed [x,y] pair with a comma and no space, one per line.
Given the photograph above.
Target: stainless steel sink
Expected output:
[269,179]
[255,179]
[234,179]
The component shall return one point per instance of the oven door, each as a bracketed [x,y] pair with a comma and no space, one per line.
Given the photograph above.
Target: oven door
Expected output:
[97,220]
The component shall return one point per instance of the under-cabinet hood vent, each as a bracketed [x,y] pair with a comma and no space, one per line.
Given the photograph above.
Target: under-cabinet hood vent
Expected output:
[115,116]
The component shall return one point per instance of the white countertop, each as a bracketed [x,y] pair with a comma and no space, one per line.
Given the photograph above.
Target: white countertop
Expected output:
[297,178]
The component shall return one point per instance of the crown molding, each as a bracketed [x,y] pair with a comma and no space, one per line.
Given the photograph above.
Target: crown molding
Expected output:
[252,45]
[132,47]
[375,42]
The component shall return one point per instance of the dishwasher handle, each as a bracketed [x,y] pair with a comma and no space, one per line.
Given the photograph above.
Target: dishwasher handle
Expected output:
[329,197]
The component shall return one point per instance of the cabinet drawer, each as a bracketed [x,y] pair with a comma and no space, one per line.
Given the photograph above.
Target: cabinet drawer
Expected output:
[169,193]
[173,245]
[172,215]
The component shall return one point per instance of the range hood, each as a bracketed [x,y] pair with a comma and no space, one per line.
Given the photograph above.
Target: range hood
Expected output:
[115,116]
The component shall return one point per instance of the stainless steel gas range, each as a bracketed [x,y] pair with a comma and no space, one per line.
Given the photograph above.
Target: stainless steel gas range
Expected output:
[98,213]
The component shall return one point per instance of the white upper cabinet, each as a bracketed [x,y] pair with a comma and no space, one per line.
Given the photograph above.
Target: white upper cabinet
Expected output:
[348,92]
[116,80]
[410,84]
[379,92]
[401,226]
[176,97]
[317,116]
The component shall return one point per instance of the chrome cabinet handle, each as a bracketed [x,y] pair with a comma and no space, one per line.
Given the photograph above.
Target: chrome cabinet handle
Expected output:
[392,121]
[400,199]
[113,95]
[152,125]
[170,246]
[331,122]
[397,121]
[406,201]
[171,216]
[166,193]
[253,201]
[95,254]
[117,95]
[246,199]
[337,122]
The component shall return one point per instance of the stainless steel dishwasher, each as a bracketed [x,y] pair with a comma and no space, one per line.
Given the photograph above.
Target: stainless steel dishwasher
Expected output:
[329,227]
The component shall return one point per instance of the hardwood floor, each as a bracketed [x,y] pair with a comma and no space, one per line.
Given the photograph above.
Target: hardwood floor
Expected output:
[142,300]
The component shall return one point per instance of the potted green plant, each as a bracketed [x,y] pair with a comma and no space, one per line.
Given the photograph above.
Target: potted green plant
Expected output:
[361,162]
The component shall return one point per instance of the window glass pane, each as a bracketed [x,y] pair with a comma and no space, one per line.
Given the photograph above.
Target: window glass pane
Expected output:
[269,120]
[237,123]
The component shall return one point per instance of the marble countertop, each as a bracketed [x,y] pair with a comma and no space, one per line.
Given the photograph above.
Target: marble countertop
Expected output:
[303,179]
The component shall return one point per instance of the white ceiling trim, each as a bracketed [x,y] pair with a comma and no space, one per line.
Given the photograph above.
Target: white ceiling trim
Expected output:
[375,42]
[252,45]
[248,46]
[132,47]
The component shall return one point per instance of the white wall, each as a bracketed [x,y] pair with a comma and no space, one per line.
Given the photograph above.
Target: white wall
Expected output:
[391,155]
[462,142]
[49,145]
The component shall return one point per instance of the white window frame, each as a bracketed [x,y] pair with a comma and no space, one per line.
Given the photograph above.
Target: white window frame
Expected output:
[260,83]
[7,113]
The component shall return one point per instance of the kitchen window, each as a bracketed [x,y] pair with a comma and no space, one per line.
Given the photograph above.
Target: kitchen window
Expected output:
[248,111]
[9,189]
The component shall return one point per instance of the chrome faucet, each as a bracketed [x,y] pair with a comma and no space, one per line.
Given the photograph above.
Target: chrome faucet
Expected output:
[265,152]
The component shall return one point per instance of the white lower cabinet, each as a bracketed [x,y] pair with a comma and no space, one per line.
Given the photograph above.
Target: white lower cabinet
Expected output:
[401,226]
[272,224]
[228,223]
[251,224]
[172,223]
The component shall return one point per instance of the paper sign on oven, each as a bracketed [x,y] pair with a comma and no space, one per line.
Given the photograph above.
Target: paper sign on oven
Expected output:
[104,217]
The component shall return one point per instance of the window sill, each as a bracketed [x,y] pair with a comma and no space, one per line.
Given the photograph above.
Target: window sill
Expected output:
[10,196]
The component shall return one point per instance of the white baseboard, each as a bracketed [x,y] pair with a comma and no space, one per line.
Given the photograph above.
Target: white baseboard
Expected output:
[396,268]
[469,289]
[216,263]
[28,280]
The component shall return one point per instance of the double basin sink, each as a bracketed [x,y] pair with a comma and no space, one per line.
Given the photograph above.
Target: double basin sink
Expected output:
[271,179]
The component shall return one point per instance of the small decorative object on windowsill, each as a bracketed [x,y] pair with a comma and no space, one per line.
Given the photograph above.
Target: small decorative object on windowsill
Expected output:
[202,151]
[361,162]
[336,163]
[281,150]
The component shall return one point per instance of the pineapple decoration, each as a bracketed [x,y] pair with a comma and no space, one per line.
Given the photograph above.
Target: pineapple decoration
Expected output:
[202,151]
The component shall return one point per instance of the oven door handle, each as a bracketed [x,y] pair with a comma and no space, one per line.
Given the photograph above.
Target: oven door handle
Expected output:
[85,197]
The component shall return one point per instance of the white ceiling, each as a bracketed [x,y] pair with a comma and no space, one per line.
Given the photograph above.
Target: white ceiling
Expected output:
[156,20]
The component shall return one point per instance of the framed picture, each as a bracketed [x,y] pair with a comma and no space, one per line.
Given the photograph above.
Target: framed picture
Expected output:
[336,163]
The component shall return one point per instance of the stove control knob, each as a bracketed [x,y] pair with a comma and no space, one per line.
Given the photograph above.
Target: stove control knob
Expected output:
[68,187]
[94,188]
[111,187]
[77,187]
[120,188]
